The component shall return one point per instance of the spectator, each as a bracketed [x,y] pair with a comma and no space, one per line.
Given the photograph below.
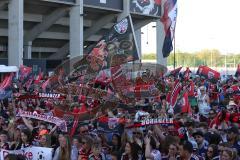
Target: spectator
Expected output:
[212,153]
[185,151]
[64,151]
[130,152]
[151,151]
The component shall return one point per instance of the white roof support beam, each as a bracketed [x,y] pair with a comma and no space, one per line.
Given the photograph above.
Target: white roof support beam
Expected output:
[45,24]
[64,21]
[98,25]
[4,48]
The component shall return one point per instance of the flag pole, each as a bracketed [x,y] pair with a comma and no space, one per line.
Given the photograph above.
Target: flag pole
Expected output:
[174,53]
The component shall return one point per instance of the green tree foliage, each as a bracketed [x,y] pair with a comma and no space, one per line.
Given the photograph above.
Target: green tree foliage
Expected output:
[204,57]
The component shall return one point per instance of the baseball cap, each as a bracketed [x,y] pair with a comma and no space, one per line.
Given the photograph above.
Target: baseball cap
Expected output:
[233,130]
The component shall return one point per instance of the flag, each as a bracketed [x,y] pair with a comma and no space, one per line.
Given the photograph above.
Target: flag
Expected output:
[186,108]
[186,74]
[173,95]
[190,89]
[24,71]
[45,84]
[7,81]
[237,74]
[117,47]
[38,78]
[208,73]
[175,72]
[169,21]
[29,82]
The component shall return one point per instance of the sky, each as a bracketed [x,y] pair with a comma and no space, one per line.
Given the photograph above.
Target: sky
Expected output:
[202,24]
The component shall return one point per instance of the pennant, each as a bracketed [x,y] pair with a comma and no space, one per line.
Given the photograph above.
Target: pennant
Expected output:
[169,21]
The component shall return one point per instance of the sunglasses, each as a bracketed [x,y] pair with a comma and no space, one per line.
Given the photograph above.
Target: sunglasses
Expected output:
[136,133]
[85,131]
[210,151]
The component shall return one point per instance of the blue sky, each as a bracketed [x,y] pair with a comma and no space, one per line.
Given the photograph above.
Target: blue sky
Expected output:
[202,24]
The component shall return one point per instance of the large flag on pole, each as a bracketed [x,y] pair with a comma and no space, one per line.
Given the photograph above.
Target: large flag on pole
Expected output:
[169,21]
[117,47]
[238,71]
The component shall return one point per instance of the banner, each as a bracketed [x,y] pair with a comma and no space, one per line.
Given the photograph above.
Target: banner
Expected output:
[59,122]
[31,153]
[148,7]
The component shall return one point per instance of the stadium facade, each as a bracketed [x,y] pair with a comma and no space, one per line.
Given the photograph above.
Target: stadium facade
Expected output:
[42,33]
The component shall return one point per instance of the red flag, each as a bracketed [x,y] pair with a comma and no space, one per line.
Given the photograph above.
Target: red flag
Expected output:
[174,93]
[186,108]
[38,78]
[191,89]
[45,84]
[29,82]
[7,81]
[208,73]
[24,71]
[175,72]
[186,74]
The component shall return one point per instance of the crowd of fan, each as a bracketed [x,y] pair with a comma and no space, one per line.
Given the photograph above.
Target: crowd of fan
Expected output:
[210,131]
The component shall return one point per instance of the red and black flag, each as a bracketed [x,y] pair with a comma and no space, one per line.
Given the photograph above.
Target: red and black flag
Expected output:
[186,74]
[208,73]
[173,95]
[237,74]
[175,72]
